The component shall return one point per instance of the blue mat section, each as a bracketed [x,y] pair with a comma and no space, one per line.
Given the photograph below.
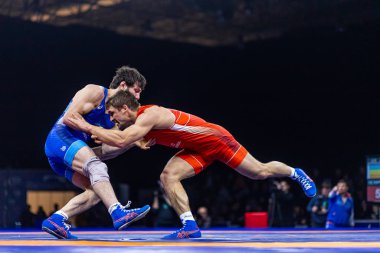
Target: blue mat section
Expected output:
[218,240]
[219,235]
[66,249]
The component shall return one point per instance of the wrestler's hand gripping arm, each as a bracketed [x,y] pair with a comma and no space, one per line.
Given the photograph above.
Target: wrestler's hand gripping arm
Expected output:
[144,123]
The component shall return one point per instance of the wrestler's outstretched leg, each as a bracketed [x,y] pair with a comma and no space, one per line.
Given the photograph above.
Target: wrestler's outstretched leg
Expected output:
[254,169]
[176,170]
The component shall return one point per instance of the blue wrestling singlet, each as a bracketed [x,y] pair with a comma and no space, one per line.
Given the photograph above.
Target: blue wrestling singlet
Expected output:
[64,142]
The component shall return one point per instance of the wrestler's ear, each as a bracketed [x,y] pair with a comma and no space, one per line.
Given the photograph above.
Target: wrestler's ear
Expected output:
[123,85]
[125,107]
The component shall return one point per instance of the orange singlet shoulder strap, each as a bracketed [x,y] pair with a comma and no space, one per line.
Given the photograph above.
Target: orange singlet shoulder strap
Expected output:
[142,109]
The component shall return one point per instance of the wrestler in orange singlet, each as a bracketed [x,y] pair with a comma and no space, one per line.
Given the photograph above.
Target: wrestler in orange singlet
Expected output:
[201,143]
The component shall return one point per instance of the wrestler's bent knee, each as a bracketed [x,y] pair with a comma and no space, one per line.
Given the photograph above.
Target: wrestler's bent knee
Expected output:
[96,170]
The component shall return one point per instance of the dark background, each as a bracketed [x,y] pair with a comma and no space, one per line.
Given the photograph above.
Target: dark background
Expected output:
[309,98]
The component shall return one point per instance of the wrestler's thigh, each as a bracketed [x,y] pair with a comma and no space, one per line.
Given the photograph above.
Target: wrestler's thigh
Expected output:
[179,168]
[81,157]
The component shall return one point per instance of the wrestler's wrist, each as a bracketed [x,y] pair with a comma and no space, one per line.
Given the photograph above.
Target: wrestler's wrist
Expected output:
[89,128]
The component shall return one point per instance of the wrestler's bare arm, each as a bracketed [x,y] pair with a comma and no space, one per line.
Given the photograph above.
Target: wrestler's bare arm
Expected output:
[106,152]
[160,118]
[83,102]
[128,136]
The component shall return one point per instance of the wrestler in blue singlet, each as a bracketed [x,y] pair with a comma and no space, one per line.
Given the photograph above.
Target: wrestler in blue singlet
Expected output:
[63,142]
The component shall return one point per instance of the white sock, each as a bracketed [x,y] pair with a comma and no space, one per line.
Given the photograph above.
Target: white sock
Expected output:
[293,174]
[62,213]
[186,216]
[113,207]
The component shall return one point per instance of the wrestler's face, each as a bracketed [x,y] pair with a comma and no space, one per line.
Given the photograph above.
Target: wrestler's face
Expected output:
[135,90]
[120,117]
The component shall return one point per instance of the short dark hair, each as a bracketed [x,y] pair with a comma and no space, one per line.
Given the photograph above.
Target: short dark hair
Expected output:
[128,75]
[123,98]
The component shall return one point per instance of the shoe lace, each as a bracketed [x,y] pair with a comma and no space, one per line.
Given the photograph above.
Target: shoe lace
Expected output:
[67,226]
[127,205]
[179,230]
[305,182]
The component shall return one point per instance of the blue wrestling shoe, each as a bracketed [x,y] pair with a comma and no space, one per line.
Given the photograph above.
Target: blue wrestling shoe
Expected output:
[56,225]
[122,217]
[189,230]
[305,182]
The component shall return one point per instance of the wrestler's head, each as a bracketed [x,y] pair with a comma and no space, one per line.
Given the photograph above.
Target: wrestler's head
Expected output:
[122,108]
[127,78]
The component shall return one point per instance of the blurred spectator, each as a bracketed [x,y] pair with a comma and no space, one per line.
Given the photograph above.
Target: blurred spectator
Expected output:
[363,210]
[40,216]
[341,207]
[27,218]
[221,207]
[281,205]
[203,218]
[299,217]
[318,207]
[97,216]
[164,214]
[375,212]
[240,194]
[55,209]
